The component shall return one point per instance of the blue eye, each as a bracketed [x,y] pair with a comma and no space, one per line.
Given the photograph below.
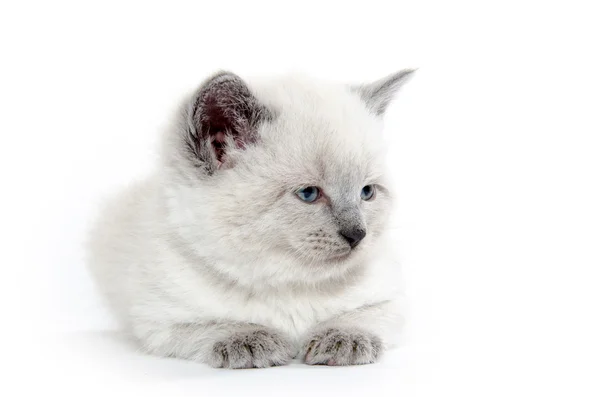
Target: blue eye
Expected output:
[308,194]
[367,192]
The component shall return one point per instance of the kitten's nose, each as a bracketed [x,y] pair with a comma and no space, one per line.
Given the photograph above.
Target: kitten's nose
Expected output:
[353,236]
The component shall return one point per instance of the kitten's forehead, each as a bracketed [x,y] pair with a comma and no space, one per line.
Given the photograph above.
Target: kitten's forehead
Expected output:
[322,128]
[316,105]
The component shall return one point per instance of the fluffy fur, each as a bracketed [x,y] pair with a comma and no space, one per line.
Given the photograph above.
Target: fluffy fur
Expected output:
[215,259]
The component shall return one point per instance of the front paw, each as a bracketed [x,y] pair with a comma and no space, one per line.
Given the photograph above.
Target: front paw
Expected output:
[257,348]
[342,346]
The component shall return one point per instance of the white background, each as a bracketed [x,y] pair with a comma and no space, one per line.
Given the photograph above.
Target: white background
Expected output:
[495,148]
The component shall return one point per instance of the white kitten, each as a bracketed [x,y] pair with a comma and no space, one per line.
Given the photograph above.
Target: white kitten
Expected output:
[262,235]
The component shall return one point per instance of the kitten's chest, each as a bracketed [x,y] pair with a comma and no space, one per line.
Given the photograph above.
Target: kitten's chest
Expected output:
[294,314]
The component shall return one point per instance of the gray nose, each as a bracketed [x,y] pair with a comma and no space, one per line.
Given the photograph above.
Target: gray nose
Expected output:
[353,236]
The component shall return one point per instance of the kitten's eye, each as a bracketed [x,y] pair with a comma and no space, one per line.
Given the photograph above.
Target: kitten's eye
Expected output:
[308,194]
[367,192]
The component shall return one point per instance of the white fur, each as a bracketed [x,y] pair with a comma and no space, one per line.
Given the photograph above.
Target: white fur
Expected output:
[179,249]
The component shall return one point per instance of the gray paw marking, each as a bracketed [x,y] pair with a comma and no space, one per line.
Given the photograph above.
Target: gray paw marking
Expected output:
[259,348]
[342,346]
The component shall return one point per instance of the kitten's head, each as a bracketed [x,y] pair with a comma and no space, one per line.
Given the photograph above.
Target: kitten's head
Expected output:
[281,180]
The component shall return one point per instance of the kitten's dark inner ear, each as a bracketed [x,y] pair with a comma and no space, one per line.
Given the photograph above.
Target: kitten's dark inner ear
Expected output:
[224,113]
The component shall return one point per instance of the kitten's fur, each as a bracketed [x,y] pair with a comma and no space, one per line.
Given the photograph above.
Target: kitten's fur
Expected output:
[215,259]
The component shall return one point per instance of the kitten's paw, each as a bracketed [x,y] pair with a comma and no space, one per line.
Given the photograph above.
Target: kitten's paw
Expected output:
[258,348]
[342,346]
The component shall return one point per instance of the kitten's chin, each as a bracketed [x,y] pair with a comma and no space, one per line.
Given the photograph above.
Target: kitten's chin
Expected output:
[350,257]
[340,259]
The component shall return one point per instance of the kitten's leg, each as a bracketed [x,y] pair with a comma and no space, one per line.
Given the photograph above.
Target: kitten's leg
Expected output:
[353,338]
[218,344]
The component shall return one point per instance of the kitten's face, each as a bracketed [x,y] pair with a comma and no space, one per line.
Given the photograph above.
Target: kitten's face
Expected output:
[303,198]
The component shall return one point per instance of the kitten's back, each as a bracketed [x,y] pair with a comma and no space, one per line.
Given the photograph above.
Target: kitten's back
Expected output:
[119,239]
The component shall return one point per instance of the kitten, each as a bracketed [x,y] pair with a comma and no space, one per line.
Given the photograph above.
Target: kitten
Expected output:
[262,235]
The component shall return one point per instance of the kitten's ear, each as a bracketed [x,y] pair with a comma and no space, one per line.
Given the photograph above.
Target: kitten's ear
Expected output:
[222,114]
[378,95]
